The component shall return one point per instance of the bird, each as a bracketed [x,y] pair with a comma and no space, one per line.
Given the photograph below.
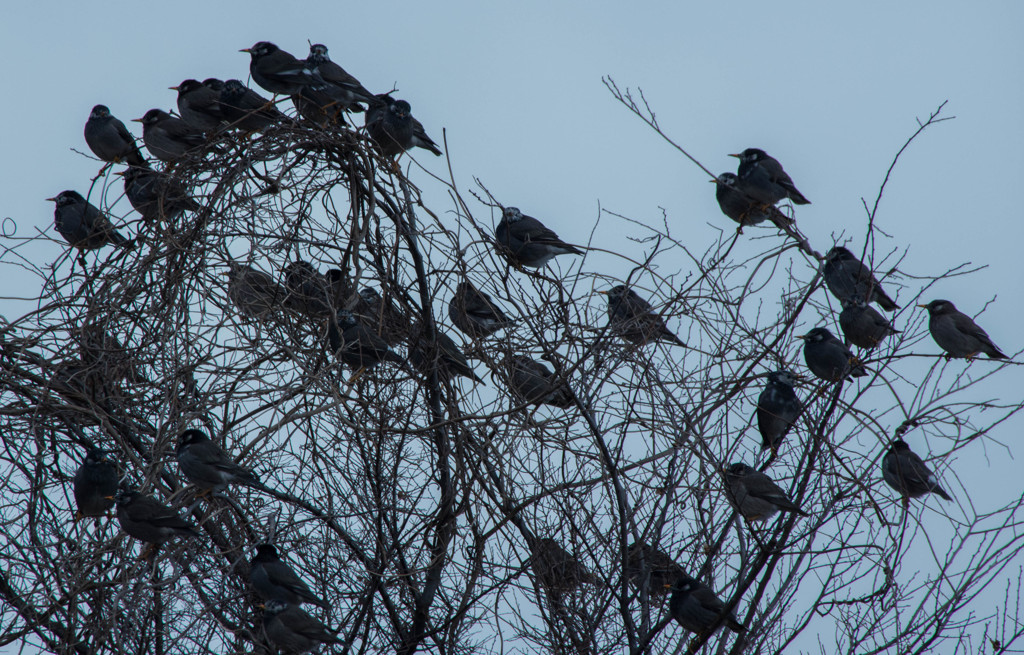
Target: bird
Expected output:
[206,465]
[532,382]
[443,353]
[110,140]
[862,324]
[253,292]
[82,225]
[392,127]
[473,312]
[102,353]
[778,408]
[247,110]
[957,333]
[754,495]
[632,318]
[278,71]
[643,559]
[524,240]
[155,194]
[308,290]
[764,179]
[343,89]
[273,579]
[846,276]
[340,288]
[384,318]
[356,345]
[147,519]
[168,138]
[292,630]
[695,607]
[737,203]
[905,472]
[199,103]
[829,358]
[557,570]
[95,484]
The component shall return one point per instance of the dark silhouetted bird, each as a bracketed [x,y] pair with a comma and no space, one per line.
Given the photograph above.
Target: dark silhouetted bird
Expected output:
[739,204]
[292,630]
[156,195]
[862,324]
[247,110]
[524,240]
[846,276]
[957,333]
[765,180]
[208,466]
[662,569]
[392,127]
[95,485]
[168,138]
[695,607]
[446,356]
[309,290]
[199,103]
[278,71]
[473,312]
[384,318]
[632,318]
[110,140]
[532,382]
[778,408]
[356,345]
[273,579]
[829,358]
[557,570]
[905,472]
[342,88]
[82,225]
[754,495]
[253,292]
[147,519]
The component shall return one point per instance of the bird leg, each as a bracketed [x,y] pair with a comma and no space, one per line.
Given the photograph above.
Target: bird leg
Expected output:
[356,375]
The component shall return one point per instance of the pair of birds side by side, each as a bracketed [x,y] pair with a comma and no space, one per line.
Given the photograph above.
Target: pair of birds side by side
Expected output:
[749,196]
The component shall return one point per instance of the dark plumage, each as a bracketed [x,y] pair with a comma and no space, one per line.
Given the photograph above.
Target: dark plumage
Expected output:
[147,519]
[736,202]
[278,71]
[444,354]
[778,408]
[168,138]
[110,140]
[473,312]
[905,472]
[356,345]
[156,195]
[957,333]
[662,569]
[95,484]
[829,358]
[845,276]
[392,127]
[695,607]
[273,579]
[82,225]
[253,292]
[754,495]
[524,240]
[862,324]
[557,570]
[382,317]
[343,89]
[247,110]
[632,318]
[208,466]
[199,103]
[765,180]
[308,290]
[292,630]
[532,382]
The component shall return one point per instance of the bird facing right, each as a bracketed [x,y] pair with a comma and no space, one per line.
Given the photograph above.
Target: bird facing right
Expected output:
[632,318]
[906,472]
[292,630]
[847,276]
[957,333]
[765,180]
[524,240]
[695,607]
[473,312]
[754,495]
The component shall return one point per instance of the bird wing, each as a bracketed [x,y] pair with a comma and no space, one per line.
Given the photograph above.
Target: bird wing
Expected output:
[966,325]
[760,486]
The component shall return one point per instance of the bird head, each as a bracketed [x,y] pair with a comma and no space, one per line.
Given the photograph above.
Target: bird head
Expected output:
[939,307]
[816,335]
[726,179]
[99,111]
[260,49]
[68,197]
[511,214]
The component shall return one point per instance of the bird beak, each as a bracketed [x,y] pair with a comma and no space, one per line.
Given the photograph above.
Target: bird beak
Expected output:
[923,306]
[667,585]
[736,156]
[605,292]
[173,88]
[54,199]
[802,336]
[713,181]
[136,120]
[246,50]
[108,498]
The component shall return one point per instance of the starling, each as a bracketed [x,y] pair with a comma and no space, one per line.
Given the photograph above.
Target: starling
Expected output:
[147,519]
[343,89]
[273,579]
[356,345]
[754,495]
[168,138]
[556,569]
[905,472]
[829,358]
[95,485]
[957,333]
[778,408]
[764,180]
[309,290]
[473,312]
[524,240]
[862,324]
[444,354]
[247,110]
[253,292]
[662,569]
[393,128]
[278,71]
[82,225]
[738,204]
[110,140]
[156,195]
[532,382]
[292,630]
[632,318]
[384,318]
[846,276]
[695,607]
[207,466]
[199,103]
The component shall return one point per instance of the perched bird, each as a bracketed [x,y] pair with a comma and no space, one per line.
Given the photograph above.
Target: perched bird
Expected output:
[737,203]
[764,180]
[473,312]
[829,358]
[356,345]
[695,607]
[255,293]
[342,88]
[103,354]
[644,559]
[778,408]
[340,289]
[309,290]
[110,140]
[199,103]
[443,353]
[274,579]
[632,318]
[168,138]
[278,71]
[557,570]
[905,472]
[391,125]
[754,495]
[292,630]
[247,110]
[95,485]
[384,318]
[147,519]
[862,324]
[532,382]
[82,225]
[155,194]
[957,333]
[207,466]
[846,276]
[524,240]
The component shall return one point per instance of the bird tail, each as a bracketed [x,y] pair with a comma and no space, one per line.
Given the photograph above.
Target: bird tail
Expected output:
[780,220]
[941,492]
[884,301]
[120,241]
[995,353]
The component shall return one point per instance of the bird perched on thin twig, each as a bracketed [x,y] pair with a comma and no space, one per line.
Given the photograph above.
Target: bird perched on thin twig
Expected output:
[695,607]
[957,333]
[208,466]
[309,290]
[156,195]
[532,382]
[907,473]
[391,125]
[253,292]
[862,324]
[736,202]
[336,85]
[381,316]
[272,579]
[473,312]
[663,571]
[754,495]
[168,138]
[632,318]
[556,569]
[199,103]
[278,71]
[829,358]
[95,485]
[356,345]
[765,180]
[82,225]
[524,240]
[846,276]
[442,353]
[778,408]
[147,519]
[247,110]
[110,140]
[292,630]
